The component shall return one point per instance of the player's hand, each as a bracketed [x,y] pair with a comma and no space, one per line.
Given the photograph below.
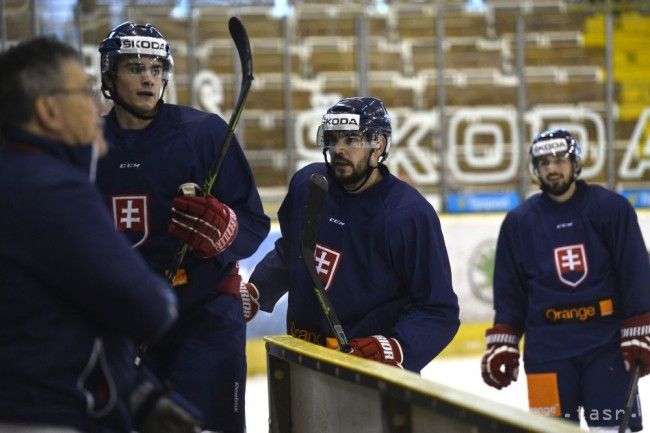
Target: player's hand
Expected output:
[204,223]
[247,293]
[500,363]
[249,296]
[170,415]
[378,348]
[635,342]
[156,409]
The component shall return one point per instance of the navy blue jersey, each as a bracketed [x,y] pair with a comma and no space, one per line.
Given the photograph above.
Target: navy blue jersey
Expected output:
[73,295]
[382,258]
[568,274]
[142,172]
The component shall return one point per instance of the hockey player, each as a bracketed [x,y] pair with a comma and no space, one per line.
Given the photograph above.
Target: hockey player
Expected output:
[155,148]
[74,296]
[572,274]
[380,251]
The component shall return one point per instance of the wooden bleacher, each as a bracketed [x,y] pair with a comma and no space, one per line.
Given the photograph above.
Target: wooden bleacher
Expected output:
[415,22]
[564,49]
[383,56]
[159,16]
[18,17]
[564,56]
[332,55]
[95,24]
[465,24]
[538,19]
[328,20]
[474,95]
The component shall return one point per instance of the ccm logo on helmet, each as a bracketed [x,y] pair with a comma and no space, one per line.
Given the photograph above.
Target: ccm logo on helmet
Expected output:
[550,147]
[332,122]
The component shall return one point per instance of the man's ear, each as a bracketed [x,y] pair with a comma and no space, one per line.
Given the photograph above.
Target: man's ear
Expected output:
[378,151]
[47,114]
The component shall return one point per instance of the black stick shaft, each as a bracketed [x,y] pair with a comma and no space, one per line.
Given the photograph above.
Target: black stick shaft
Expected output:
[316,198]
[631,398]
[240,38]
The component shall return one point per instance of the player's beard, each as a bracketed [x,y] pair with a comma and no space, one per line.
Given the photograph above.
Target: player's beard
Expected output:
[341,165]
[558,186]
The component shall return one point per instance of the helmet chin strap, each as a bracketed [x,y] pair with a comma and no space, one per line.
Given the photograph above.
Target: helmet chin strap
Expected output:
[129,108]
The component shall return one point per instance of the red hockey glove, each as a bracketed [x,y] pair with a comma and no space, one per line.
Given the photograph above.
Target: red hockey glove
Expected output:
[247,293]
[500,363]
[204,223]
[249,296]
[635,342]
[378,348]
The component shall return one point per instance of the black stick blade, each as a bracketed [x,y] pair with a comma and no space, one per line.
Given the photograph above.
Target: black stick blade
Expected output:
[316,198]
[240,37]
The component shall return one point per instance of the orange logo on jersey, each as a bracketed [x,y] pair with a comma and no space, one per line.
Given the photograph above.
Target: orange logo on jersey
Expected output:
[327,262]
[131,217]
[571,264]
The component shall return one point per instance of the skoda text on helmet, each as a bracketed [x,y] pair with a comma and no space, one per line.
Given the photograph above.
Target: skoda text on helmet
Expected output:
[359,115]
[138,40]
[558,143]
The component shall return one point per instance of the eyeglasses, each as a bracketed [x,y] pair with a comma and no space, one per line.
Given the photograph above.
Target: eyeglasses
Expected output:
[87,91]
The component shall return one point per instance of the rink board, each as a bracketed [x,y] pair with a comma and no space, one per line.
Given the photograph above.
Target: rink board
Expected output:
[315,389]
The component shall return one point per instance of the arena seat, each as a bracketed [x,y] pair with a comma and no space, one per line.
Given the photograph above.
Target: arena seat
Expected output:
[18,19]
[475,94]
[213,25]
[159,16]
[332,57]
[415,22]
[465,24]
[536,55]
[95,24]
[326,20]
[538,19]
[423,53]
[384,57]
[563,93]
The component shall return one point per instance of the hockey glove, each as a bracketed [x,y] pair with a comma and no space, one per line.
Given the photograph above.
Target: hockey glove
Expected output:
[635,342]
[378,348]
[157,409]
[500,363]
[249,296]
[247,293]
[204,223]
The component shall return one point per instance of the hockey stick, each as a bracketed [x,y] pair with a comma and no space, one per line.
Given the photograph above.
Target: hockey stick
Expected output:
[240,38]
[316,197]
[631,398]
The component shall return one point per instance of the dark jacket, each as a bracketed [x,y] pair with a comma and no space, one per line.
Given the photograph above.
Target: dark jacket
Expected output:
[74,296]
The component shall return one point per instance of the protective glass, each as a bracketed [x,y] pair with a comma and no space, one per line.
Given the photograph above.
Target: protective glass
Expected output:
[136,68]
[557,159]
[344,129]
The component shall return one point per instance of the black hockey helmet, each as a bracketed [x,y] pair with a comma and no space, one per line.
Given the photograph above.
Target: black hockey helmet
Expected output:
[557,142]
[365,115]
[135,40]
